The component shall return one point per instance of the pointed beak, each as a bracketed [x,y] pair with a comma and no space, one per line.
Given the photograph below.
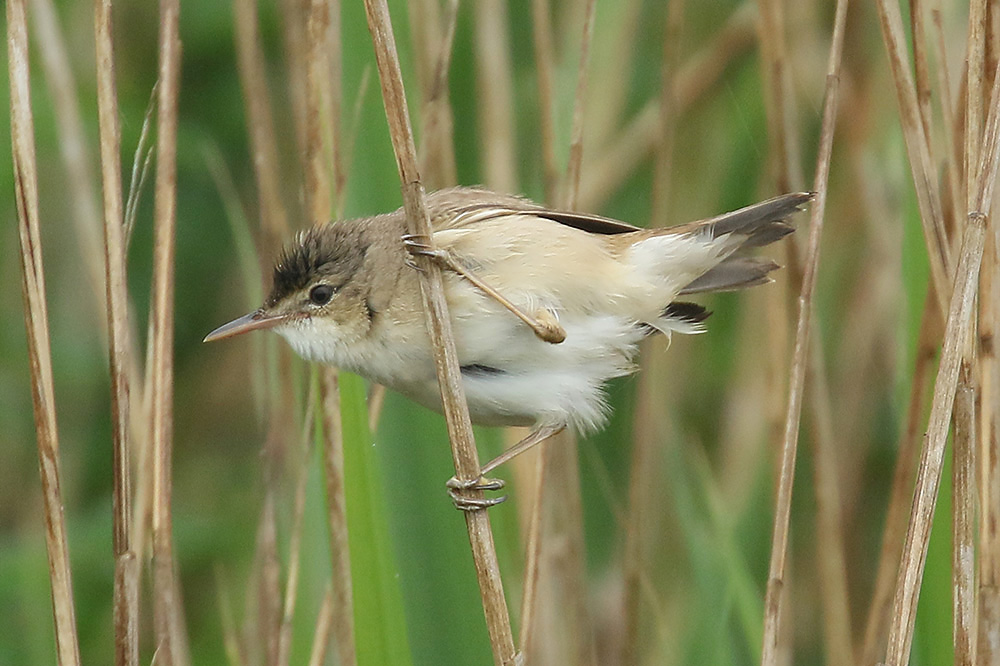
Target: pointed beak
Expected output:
[251,322]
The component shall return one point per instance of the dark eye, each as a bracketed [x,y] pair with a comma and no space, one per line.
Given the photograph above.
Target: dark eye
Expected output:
[321,294]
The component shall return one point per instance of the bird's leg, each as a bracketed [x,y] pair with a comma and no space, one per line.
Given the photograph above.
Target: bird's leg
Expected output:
[456,486]
[543,323]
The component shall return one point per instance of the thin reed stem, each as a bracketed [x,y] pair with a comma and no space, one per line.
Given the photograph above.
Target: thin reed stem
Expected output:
[800,358]
[456,410]
[36,322]
[957,330]
[341,609]
[963,561]
[167,609]
[127,566]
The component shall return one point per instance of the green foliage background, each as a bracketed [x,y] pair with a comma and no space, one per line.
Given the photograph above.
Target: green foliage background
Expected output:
[708,562]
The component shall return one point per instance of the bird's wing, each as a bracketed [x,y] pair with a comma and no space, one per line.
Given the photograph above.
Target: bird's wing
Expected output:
[461,207]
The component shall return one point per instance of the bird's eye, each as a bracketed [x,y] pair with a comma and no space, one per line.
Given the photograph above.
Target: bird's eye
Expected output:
[321,294]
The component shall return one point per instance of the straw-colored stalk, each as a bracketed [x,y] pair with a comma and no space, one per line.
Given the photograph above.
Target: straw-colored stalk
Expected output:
[167,608]
[37,325]
[295,538]
[437,152]
[963,561]
[494,90]
[456,410]
[544,75]
[260,123]
[73,145]
[800,354]
[620,156]
[127,569]
[918,150]
[558,504]
[957,330]
[645,431]
[341,615]
[988,460]
[901,487]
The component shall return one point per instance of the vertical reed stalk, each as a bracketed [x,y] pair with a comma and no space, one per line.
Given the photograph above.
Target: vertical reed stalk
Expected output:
[957,330]
[800,359]
[167,610]
[341,608]
[439,327]
[127,569]
[963,561]
[36,322]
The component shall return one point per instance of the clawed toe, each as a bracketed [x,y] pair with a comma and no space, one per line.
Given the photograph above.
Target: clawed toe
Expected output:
[458,487]
[418,244]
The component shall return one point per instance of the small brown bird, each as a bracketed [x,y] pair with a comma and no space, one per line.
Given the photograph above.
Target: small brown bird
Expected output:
[546,305]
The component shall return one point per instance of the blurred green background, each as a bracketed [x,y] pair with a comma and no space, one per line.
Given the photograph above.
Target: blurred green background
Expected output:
[707,558]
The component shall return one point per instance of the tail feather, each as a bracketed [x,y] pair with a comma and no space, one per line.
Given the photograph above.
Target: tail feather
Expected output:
[759,225]
[735,272]
[760,219]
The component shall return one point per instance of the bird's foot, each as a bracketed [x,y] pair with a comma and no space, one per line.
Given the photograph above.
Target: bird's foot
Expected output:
[418,244]
[457,489]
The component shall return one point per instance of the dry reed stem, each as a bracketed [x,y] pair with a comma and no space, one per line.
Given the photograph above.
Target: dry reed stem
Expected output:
[988,461]
[561,456]
[532,565]
[921,68]
[558,462]
[636,522]
[455,409]
[963,561]
[37,325]
[324,625]
[918,150]
[575,164]
[779,544]
[782,131]
[317,158]
[542,42]
[541,23]
[495,92]
[127,565]
[295,47]
[336,104]
[167,611]
[669,112]
[268,584]
[73,146]
[832,569]
[260,123]
[952,148]
[908,449]
[323,98]
[618,159]
[295,539]
[975,62]
[645,424]
[437,152]
[342,604]
[957,330]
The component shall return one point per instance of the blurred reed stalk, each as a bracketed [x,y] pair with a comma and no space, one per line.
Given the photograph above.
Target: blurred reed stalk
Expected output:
[801,354]
[37,327]
[170,634]
[127,566]
[555,540]
[439,327]
[980,160]
[647,430]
